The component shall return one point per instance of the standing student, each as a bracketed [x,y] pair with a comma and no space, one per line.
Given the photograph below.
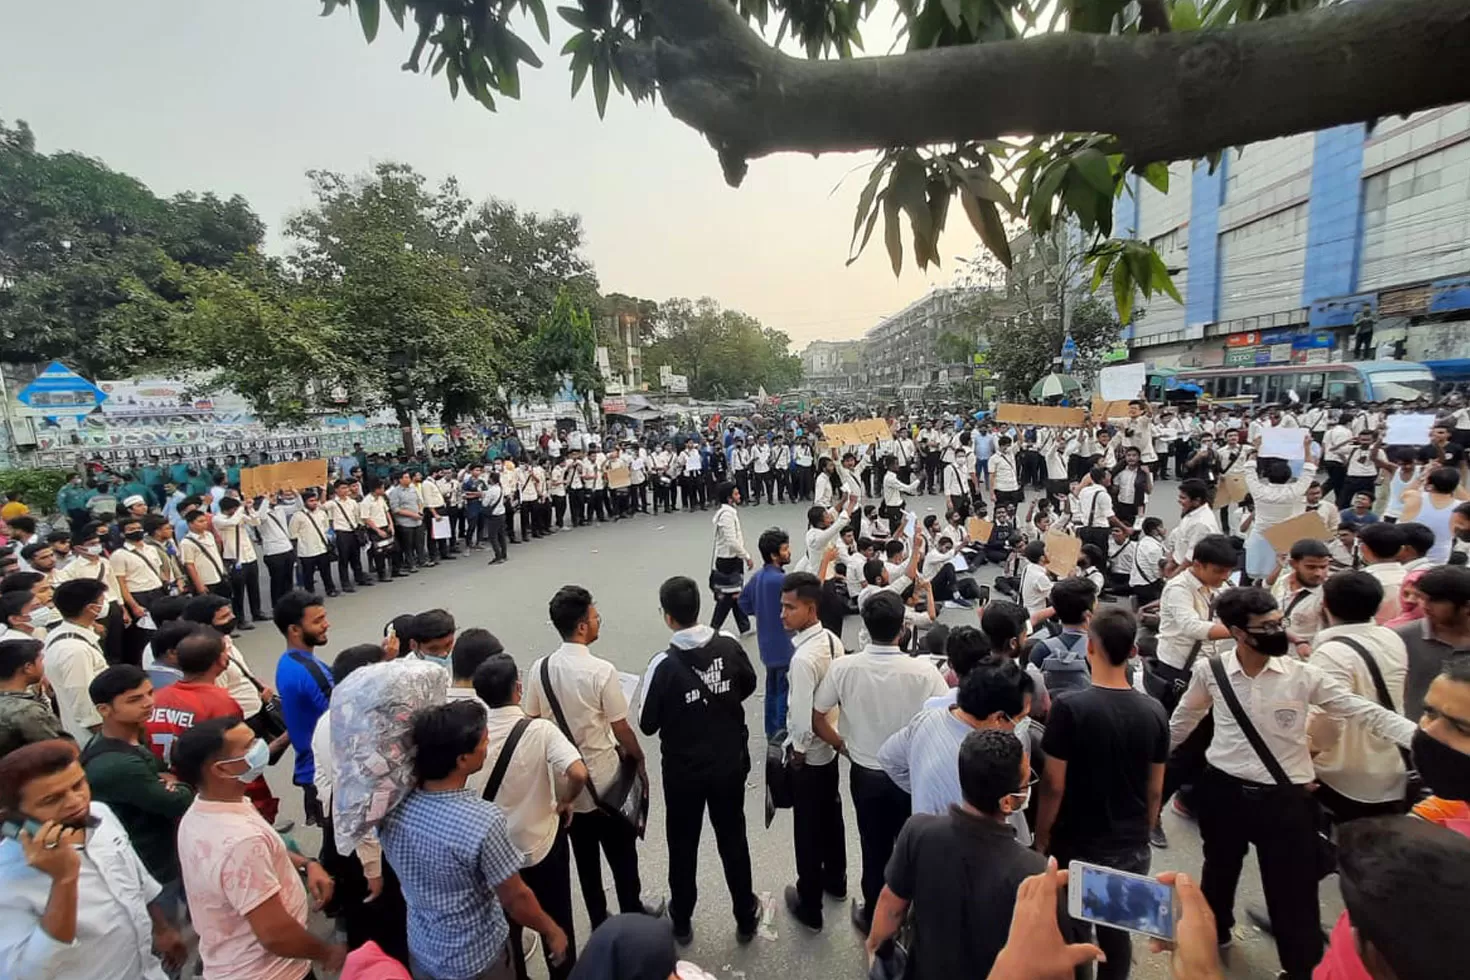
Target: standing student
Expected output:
[894,490]
[878,691]
[304,684]
[817,827]
[408,523]
[761,598]
[73,655]
[582,694]
[276,543]
[26,716]
[199,554]
[90,564]
[1249,796]
[234,524]
[1106,747]
[731,560]
[692,699]
[309,530]
[540,775]
[344,516]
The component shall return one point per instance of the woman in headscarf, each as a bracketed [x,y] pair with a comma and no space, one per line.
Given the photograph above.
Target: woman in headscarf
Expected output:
[1411,600]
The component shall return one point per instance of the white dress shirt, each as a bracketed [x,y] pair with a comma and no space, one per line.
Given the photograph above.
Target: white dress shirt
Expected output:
[201,551]
[591,697]
[878,691]
[275,525]
[533,781]
[1278,502]
[235,537]
[1305,617]
[1003,472]
[894,490]
[816,650]
[114,934]
[1277,701]
[134,565]
[1193,526]
[817,540]
[1035,587]
[1350,759]
[309,528]
[729,539]
[343,514]
[72,659]
[1146,559]
[1390,574]
[1185,618]
[1094,506]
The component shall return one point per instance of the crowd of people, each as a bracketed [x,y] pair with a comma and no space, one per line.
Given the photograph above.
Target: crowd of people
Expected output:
[1309,697]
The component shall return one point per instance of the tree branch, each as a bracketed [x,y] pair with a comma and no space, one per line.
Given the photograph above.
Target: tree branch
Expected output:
[1165,96]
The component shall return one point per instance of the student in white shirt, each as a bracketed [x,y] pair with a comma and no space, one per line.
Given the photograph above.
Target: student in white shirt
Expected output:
[877,692]
[1243,803]
[1146,580]
[894,490]
[1379,547]
[233,523]
[1278,498]
[1005,477]
[1035,581]
[1297,588]
[1196,521]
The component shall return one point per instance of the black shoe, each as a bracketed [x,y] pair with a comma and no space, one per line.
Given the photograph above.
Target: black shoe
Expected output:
[414,570]
[431,564]
[448,557]
[862,921]
[384,579]
[260,618]
[837,892]
[349,588]
[684,935]
[746,926]
[332,593]
[401,573]
[807,917]
[366,582]
[1158,838]
[245,625]
[498,561]
[656,910]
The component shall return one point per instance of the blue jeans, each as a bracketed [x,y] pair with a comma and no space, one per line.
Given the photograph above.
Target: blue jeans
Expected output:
[778,689]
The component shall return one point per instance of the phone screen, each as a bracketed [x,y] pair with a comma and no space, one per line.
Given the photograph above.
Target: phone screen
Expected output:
[1125,901]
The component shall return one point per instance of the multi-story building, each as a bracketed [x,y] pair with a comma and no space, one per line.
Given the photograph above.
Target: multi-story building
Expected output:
[903,351]
[831,365]
[620,358]
[1314,247]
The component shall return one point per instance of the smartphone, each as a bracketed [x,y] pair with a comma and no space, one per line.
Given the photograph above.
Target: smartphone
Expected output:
[1121,899]
[12,828]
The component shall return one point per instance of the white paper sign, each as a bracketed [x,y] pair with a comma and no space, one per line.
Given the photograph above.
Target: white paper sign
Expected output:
[629,683]
[439,529]
[1122,381]
[1408,430]
[1283,443]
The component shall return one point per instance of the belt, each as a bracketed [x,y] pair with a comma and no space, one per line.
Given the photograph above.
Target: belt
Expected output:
[1249,788]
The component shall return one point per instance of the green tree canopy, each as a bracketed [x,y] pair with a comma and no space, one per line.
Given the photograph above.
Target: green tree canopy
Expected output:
[724,353]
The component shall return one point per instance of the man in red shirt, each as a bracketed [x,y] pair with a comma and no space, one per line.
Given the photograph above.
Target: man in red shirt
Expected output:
[202,657]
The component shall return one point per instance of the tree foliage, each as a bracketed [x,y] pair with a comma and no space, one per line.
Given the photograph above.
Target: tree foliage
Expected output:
[91,259]
[1107,92]
[724,353]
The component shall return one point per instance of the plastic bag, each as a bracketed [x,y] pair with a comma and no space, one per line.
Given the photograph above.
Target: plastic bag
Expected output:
[372,713]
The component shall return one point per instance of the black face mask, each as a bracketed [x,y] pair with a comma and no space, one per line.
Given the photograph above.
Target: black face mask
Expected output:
[1269,644]
[135,535]
[1445,771]
[1463,535]
[227,627]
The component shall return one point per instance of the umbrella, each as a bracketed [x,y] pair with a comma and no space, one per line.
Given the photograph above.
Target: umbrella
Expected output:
[1054,386]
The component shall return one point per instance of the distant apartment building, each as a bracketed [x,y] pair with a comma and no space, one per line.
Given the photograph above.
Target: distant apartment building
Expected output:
[902,353]
[1310,248]
[831,365]
[620,355]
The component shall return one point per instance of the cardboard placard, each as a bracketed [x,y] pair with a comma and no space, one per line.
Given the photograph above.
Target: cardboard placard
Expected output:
[1039,415]
[873,430]
[256,481]
[1309,525]
[836,433]
[1230,490]
[1062,552]
[619,477]
[979,529]
[1104,409]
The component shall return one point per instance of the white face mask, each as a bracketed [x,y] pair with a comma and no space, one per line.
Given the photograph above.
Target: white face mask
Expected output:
[91,549]
[40,617]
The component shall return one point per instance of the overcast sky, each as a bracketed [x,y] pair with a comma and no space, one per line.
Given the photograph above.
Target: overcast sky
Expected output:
[245,97]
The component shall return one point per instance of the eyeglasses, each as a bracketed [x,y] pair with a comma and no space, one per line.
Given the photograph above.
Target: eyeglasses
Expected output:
[1025,787]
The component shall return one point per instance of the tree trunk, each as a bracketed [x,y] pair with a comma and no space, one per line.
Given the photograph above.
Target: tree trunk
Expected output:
[1165,96]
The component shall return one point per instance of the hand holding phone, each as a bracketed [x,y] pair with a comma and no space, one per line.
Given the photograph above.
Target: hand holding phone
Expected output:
[1121,900]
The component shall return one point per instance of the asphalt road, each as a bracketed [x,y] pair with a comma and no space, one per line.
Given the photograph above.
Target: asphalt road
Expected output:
[623,564]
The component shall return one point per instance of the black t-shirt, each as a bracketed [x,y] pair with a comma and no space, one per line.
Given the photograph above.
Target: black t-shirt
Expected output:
[961,872]
[1454,454]
[1109,739]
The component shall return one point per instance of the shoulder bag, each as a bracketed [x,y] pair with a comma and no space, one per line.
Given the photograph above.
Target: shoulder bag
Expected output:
[502,761]
[1326,849]
[1380,686]
[627,798]
[330,545]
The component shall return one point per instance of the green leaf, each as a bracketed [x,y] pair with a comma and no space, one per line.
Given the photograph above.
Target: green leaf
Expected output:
[1100,266]
[867,231]
[1122,291]
[865,201]
[907,187]
[581,61]
[953,11]
[576,41]
[892,237]
[396,8]
[985,218]
[1093,167]
[1185,16]
[575,17]
[600,80]
[1162,281]
[1136,254]
[367,13]
[1157,174]
[1051,180]
[520,49]
[538,13]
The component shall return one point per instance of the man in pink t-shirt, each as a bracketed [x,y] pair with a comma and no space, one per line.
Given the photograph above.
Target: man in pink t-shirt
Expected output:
[245,894]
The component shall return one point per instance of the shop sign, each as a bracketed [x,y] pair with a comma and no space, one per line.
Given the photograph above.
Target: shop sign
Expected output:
[1280,353]
[1248,339]
[1240,356]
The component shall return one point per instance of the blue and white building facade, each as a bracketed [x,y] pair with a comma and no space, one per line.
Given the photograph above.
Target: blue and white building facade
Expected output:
[1289,249]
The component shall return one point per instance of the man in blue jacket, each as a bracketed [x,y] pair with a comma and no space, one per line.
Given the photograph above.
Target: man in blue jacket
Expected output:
[761,598]
[304,683]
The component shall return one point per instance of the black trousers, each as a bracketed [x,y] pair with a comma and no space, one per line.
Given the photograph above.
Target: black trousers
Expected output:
[728,602]
[407,554]
[559,508]
[384,920]
[1341,808]
[1332,483]
[135,638]
[456,524]
[930,482]
[309,569]
[245,584]
[494,532]
[686,798]
[579,507]
[882,808]
[818,833]
[1282,824]
[550,880]
[282,571]
[349,556]
[767,486]
[783,485]
[664,494]
[1354,485]
[742,483]
[594,832]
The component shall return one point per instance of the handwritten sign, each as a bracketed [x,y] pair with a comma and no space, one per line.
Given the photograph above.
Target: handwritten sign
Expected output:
[979,529]
[1408,430]
[1283,443]
[1122,381]
[1231,489]
[618,477]
[1309,525]
[1039,415]
[1062,552]
[256,481]
[1104,409]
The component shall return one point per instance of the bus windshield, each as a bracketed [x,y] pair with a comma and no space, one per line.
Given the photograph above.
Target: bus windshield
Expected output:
[1400,383]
